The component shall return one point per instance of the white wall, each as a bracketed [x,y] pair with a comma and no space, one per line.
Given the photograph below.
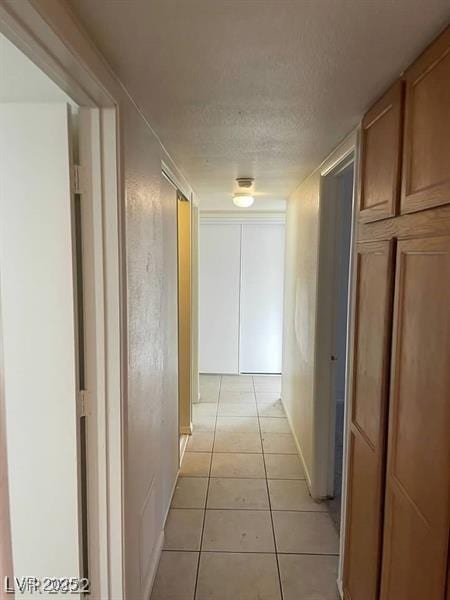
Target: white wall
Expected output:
[301,320]
[22,81]
[222,203]
[302,226]
[148,334]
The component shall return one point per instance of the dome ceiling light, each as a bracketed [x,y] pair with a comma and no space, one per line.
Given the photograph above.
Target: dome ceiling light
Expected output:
[243,198]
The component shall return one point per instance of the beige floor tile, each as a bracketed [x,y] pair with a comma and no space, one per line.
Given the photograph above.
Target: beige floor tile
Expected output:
[195,464]
[201,441]
[267,395]
[176,576]
[306,577]
[270,408]
[209,394]
[237,379]
[237,386]
[290,494]
[234,409]
[250,466]
[204,409]
[278,443]
[284,466]
[273,425]
[258,379]
[238,531]
[238,494]
[210,379]
[239,397]
[201,423]
[190,492]
[238,577]
[237,442]
[183,530]
[238,424]
[268,386]
[305,533]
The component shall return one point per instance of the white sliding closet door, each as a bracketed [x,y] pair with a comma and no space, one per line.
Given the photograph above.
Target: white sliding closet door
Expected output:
[261,305]
[219,275]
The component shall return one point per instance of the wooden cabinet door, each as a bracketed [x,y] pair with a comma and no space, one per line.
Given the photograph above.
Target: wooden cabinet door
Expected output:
[367,436]
[426,159]
[417,486]
[381,157]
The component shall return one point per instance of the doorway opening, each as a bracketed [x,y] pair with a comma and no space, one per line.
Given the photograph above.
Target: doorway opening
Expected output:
[333,306]
[42,316]
[344,188]
[180,375]
[184,231]
[61,320]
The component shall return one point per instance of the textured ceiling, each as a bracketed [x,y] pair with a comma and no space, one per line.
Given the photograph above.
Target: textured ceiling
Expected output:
[264,88]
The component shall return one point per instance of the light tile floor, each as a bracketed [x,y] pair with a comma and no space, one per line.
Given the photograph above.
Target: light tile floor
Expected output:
[242,525]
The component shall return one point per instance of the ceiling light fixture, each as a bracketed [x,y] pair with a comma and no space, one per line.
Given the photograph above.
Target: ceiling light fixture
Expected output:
[243,199]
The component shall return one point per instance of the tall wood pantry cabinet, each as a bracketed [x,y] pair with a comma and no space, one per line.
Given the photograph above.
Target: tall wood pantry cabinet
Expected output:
[398,500]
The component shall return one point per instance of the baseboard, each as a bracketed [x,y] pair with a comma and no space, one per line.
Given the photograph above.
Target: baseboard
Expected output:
[183,445]
[155,562]
[186,430]
[160,544]
[299,449]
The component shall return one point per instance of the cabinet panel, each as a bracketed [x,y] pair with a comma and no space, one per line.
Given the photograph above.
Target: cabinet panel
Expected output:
[381,150]
[426,166]
[417,487]
[373,311]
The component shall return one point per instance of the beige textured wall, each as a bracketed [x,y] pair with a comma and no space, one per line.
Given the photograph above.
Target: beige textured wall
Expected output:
[302,226]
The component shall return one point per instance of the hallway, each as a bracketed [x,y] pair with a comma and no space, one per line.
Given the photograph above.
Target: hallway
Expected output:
[242,524]
[193,187]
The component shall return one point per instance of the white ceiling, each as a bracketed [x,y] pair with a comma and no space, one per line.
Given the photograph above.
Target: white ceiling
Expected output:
[22,81]
[262,88]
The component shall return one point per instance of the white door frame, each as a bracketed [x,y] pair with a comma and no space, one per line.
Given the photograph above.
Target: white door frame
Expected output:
[324,409]
[104,272]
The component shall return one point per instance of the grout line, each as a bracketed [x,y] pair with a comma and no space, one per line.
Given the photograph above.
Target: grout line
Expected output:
[241,451]
[258,478]
[252,552]
[207,493]
[240,509]
[268,497]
